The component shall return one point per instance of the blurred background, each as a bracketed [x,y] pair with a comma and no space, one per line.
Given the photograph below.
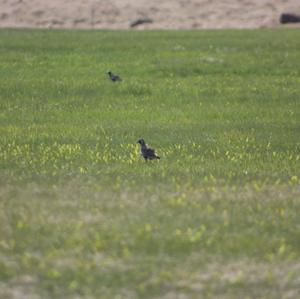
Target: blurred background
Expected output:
[145,14]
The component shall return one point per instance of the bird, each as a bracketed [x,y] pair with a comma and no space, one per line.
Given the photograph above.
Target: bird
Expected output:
[113,77]
[147,152]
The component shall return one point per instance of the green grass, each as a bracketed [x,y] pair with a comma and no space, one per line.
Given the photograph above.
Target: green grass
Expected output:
[83,216]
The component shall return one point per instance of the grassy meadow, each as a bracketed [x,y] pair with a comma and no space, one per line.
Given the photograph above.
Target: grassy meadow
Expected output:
[83,216]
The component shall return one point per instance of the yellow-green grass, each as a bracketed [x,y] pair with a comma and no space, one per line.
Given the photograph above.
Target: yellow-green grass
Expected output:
[82,215]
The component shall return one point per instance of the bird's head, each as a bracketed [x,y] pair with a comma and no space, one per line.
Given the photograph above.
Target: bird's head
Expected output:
[109,72]
[141,141]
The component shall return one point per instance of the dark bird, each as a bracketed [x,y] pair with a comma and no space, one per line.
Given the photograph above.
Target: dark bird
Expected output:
[147,152]
[140,21]
[113,77]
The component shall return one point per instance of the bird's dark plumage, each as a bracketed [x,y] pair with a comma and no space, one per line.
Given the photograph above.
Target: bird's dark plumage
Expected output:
[113,77]
[147,152]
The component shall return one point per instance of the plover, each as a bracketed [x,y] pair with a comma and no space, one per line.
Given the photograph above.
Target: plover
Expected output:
[147,152]
[113,77]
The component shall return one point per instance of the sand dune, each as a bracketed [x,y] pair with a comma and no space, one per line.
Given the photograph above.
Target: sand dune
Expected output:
[167,14]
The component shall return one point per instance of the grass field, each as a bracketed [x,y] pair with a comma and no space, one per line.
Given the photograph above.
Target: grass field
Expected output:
[83,216]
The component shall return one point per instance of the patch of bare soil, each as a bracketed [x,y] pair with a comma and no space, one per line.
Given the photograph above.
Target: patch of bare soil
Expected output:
[164,14]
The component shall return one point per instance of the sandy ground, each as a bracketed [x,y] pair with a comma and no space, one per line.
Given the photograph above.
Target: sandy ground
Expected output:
[166,14]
